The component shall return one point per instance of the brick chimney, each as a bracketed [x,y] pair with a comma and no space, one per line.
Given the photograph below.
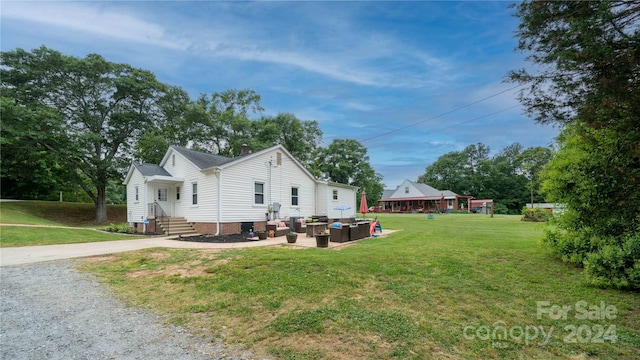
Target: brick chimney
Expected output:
[244,149]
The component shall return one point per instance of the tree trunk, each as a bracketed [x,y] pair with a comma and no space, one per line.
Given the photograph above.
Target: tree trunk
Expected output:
[532,193]
[101,205]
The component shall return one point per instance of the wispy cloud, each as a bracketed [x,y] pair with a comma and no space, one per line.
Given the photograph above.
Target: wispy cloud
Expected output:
[323,65]
[90,18]
[360,56]
[378,72]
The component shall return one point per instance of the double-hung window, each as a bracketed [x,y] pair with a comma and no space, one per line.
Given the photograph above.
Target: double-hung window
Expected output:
[294,196]
[258,193]
[194,193]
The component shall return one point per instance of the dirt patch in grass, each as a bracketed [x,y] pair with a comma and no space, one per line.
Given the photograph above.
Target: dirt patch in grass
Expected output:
[332,346]
[171,270]
[158,255]
[99,258]
[188,269]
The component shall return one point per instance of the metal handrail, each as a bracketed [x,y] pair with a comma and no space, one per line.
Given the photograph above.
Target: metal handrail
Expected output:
[156,211]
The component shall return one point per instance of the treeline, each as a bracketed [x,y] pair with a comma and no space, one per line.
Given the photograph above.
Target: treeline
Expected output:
[511,178]
[586,78]
[75,124]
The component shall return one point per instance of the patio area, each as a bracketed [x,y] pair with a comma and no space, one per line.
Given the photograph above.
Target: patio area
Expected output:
[310,242]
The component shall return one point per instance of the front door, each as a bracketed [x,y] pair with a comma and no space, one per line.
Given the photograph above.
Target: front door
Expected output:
[163,198]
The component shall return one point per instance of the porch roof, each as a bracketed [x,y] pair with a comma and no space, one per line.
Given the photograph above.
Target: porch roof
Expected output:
[418,198]
[164,179]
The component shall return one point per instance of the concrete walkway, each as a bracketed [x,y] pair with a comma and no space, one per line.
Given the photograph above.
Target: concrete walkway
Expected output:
[33,254]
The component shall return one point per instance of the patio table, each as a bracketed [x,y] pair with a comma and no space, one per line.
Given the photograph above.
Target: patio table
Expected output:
[315,228]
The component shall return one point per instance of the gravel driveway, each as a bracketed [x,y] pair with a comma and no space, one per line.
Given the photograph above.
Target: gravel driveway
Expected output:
[52,311]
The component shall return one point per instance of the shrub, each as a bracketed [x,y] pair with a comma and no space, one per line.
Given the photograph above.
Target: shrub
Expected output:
[610,260]
[536,214]
[121,228]
[499,208]
[615,264]
[112,228]
[597,180]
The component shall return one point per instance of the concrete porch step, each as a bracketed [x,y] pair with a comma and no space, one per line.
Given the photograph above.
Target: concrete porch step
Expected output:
[176,226]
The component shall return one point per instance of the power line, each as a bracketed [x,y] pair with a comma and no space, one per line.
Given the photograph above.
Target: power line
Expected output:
[462,122]
[447,113]
[479,117]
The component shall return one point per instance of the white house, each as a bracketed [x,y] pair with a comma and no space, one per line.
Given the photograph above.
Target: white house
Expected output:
[221,195]
[553,208]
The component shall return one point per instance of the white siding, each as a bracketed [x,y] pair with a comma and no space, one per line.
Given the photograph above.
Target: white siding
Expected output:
[206,209]
[148,197]
[349,197]
[401,191]
[136,209]
[326,204]
[322,199]
[238,188]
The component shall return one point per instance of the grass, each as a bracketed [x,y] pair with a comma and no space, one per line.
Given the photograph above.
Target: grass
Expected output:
[439,288]
[57,213]
[12,236]
[48,213]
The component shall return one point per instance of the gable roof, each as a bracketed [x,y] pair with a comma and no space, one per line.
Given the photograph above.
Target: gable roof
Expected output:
[205,161]
[387,193]
[427,192]
[431,191]
[238,159]
[150,169]
[147,170]
[200,159]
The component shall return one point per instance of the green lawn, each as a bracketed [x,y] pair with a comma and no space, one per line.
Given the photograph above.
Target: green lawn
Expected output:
[57,213]
[440,288]
[11,236]
[51,213]
[22,213]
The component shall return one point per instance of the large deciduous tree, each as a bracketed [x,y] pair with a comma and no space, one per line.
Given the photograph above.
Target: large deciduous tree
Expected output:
[503,178]
[531,162]
[586,74]
[449,173]
[220,123]
[301,138]
[464,172]
[174,125]
[346,161]
[28,170]
[84,113]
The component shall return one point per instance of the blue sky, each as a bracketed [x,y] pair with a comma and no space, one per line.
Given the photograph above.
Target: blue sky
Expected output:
[377,72]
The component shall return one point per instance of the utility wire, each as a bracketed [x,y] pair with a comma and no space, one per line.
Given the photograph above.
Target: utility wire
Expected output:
[462,122]
[445,113]
[479,117]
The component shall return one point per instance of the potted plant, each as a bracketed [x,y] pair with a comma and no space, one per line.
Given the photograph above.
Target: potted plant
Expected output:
[262,235]
[322,239]
[292,237]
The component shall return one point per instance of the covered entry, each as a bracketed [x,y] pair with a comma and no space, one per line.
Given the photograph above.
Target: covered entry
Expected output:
[165,192]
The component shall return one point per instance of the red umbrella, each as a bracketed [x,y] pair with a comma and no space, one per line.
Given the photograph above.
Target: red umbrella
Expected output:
[363,204]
